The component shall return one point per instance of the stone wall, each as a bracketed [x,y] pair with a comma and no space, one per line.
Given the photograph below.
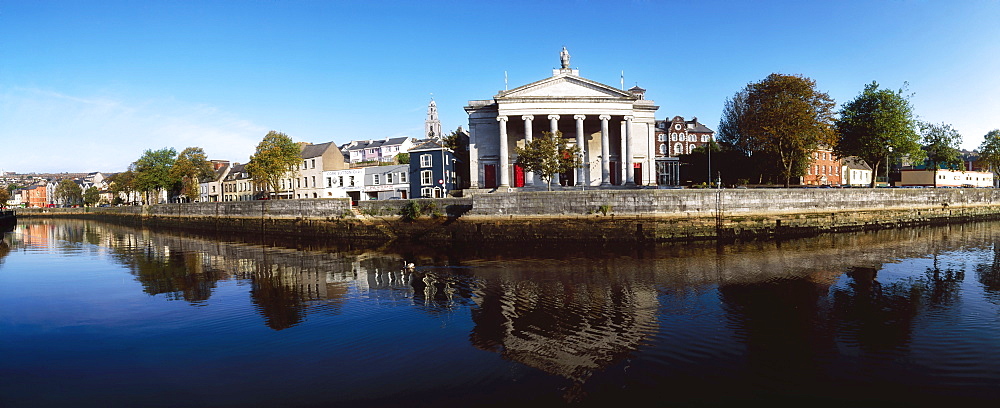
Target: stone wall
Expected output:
[685,202]
[592,216]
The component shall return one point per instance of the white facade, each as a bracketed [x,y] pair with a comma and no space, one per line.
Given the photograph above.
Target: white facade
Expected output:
[945,178]
[344,183]
[615,130]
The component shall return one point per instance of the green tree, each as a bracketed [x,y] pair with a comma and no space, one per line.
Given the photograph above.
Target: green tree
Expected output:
[778,122]
[403,158]
[878,125]
[68,192]
[153,172]
[277,157]
[91,196]
[191,167]
[989,150]
[122,185]
[548,156]
[941,144]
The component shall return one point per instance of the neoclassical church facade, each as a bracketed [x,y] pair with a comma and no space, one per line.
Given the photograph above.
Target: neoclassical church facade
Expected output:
[614,128]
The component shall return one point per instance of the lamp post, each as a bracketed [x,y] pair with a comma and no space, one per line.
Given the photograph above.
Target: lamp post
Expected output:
[887,166]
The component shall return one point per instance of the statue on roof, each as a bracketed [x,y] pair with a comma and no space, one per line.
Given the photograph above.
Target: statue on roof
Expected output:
[564,58]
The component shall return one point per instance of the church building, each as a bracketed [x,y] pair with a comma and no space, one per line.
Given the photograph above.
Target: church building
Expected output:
[614,129]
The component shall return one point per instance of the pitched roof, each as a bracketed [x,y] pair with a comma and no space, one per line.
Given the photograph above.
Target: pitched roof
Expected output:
[429,144]
[314,150]
[856,163]
[371,144]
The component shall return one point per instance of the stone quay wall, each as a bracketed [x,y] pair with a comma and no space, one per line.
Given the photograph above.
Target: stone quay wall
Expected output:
[642,215]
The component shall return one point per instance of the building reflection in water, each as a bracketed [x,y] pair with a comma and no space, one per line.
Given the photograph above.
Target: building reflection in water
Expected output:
[792,306]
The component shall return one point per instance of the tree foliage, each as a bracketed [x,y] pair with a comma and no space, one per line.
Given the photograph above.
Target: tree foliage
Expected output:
[878,125]
[989,150]
[122,185]
[68,192]
[547,156]
[778,122]
[4,197]
[91,196]
[941,144]
[153,171]
[191,167]
[276,156]
[403,158]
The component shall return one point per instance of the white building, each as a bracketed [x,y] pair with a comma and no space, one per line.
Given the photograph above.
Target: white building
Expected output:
[614,128]
[945,178]
[344,183]
[855,172]
[381,151]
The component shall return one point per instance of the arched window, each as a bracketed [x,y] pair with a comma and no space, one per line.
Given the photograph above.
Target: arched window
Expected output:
[678,148]
[690,148]
[663,149]
[673,137]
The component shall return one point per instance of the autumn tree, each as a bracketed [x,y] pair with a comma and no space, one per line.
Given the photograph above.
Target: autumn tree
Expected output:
[878,125]
[778,122]
[191,167]
[68,192]
[548,156]
[276,157]
[91,196]
[122,185]
[989,150]
[153,172]
[941,144]
[4,197]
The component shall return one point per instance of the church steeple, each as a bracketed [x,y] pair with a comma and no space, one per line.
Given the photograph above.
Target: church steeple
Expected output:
[432,126]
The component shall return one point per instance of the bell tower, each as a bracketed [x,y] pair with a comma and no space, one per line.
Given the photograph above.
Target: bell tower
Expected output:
[432,126]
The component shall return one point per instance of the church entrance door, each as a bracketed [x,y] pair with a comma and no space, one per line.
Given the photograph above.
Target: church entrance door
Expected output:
[490,176]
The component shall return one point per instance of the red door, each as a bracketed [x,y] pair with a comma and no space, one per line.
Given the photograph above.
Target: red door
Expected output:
[616,172]
[490,176]
[637,173]
[518,176]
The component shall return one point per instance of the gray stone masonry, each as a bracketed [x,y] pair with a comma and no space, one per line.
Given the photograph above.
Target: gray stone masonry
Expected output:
[694,202]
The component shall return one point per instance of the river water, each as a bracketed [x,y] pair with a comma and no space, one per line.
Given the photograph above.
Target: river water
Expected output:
[98,315]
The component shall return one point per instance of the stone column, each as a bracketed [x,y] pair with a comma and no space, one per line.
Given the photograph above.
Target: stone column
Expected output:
[529,177]
[504,156]
[581,174]
[605,150]
[554,127]
[629,171]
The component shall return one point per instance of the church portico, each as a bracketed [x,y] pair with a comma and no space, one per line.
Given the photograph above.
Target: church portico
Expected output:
[613,129]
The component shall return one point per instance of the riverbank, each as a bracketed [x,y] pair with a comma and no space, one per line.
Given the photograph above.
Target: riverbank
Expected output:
[641,216]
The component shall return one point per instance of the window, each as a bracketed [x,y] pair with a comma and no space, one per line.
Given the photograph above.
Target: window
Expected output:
[402,177]
[673,137]
[426,178]
[329,182]
[426,160]
[341,181]
[314,181]
[704,138]
[677,126]
[690,148]
[662,137]
[388,178]
[375,179]
[351,179]
[312,163]
[663,149]
[678,148]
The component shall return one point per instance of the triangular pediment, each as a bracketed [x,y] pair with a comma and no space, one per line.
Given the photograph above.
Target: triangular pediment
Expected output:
[565,86]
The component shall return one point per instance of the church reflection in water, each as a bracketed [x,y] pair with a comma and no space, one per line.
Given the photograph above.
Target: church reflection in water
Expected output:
[788,306]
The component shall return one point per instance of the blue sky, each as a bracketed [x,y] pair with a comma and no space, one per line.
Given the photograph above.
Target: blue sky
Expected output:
[89,85]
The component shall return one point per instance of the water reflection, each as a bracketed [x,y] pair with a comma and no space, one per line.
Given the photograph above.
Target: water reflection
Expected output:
[772,318]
